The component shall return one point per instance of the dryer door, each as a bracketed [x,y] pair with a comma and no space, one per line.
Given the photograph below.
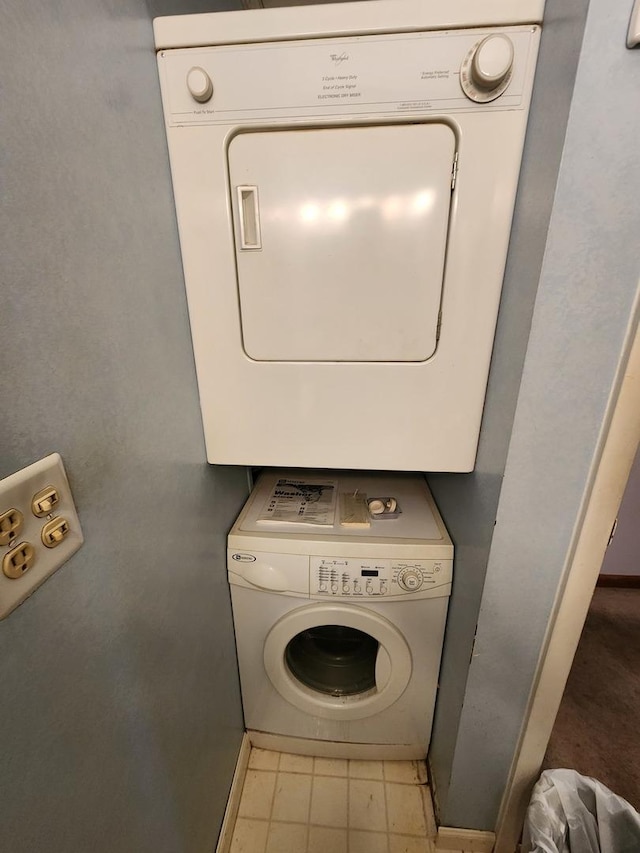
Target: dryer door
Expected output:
[340,240]
[337,661]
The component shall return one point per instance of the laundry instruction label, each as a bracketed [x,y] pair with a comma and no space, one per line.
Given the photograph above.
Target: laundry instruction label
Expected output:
[301,501]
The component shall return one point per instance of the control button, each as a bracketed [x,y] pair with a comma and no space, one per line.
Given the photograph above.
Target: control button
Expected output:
[334,587]
[199,84]
[322,587]
[357,587]
[346,588]
[369,588]
[492,61]
[410,579]
[486,70]
[383,587]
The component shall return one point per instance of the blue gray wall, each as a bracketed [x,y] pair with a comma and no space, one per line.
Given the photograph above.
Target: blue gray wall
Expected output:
[120,714]
[584,308]
[469,502]
[623,554]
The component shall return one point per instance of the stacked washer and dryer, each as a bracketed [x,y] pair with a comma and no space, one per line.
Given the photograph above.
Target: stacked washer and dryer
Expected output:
[344,179]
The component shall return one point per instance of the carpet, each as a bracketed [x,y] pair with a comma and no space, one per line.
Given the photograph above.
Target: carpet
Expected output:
[597,730]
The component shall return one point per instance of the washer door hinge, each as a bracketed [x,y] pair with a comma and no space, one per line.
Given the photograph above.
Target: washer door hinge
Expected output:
[454,171]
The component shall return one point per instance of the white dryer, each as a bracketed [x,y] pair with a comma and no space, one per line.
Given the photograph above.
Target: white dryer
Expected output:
[344,178]
[340,614]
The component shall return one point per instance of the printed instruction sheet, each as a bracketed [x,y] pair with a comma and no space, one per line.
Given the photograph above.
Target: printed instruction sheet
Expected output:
[301,501]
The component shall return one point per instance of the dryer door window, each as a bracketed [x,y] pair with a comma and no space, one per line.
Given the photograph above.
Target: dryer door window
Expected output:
[337,661]
[334,659]
[340,237]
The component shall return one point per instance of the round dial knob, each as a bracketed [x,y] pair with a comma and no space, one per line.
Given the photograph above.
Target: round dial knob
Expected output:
[199,84]
[486,70]
[410,579]
[492,61]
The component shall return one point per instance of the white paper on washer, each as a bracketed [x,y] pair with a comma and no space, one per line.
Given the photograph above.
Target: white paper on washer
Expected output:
[301,501]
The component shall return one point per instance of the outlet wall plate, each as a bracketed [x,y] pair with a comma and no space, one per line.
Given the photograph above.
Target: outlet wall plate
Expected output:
[17,493]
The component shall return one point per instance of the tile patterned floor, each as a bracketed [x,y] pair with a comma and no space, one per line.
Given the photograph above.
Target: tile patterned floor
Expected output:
[298,804]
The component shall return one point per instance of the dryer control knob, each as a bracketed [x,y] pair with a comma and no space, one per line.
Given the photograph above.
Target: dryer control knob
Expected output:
[486,70]
[199,84]
[410,579]
[492,61]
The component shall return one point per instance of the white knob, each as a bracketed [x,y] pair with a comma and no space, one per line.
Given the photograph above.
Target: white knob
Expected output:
[492,61]
[376,506]
[410,579]
[199,84]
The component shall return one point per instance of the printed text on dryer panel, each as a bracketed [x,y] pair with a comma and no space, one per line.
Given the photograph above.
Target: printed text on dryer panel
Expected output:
[335,87]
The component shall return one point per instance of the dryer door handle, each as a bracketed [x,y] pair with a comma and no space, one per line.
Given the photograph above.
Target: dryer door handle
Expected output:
[264,576]
[249,215]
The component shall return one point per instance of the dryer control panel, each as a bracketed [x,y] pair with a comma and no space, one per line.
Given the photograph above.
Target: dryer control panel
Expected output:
[337,577]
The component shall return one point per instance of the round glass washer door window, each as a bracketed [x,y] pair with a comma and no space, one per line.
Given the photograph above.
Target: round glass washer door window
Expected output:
[337,661]
[334,659]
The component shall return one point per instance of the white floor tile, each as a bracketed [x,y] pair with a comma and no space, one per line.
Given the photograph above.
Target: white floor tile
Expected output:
[406,812]
[249,836]
[366,805]
[295,763]
[330,767]
[406,772]
[367,842]
[430,818]
[325,840]
[263,759]
[365,769]
[409,844]
[287,838]
[257,794]
[299,804]
[293,793]
[329,801]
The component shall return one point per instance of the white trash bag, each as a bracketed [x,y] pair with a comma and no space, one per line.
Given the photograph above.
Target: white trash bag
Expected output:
[570,813]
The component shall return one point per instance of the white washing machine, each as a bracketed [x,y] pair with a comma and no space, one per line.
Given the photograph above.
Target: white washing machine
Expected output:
[344,178]
[340,584]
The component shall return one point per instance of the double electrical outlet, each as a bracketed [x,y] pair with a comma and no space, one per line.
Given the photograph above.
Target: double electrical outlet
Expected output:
[39,528]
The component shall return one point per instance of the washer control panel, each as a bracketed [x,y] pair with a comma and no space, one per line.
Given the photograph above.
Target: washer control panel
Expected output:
[336,577]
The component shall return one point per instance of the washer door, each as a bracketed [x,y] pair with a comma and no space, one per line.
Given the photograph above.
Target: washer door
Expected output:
[337,661]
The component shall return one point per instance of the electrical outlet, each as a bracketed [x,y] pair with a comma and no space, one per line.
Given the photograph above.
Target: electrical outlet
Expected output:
[16,562]
[10,525]
[39,529]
